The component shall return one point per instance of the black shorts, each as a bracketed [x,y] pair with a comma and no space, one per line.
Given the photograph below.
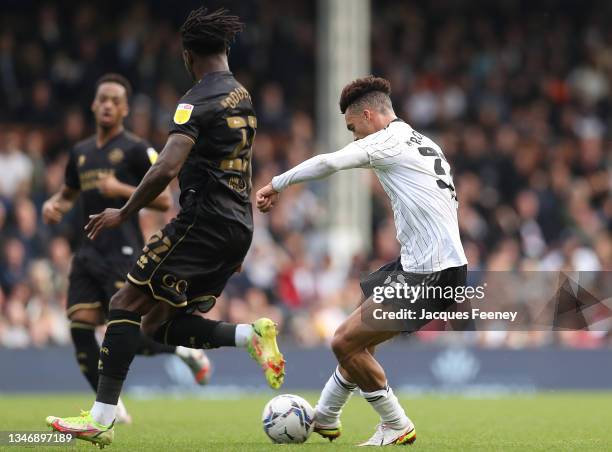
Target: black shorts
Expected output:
[416,292]
[191,258]
[93,281]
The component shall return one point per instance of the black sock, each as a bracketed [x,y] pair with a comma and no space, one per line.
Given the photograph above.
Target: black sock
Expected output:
[87,350]
[197,332]
[118,349]
[149,347]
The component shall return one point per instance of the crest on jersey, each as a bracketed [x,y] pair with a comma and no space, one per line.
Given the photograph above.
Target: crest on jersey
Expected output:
[183,113]
[152,153]
[115,156]
[81,161]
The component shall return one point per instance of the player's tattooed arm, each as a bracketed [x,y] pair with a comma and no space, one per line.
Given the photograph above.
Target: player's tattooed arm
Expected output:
[59,204]
[153,183]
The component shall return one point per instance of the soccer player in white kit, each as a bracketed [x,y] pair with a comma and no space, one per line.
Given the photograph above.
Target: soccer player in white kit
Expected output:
[417,178]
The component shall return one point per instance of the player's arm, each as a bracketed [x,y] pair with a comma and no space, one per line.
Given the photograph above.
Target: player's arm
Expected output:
[158,177]
[63,201]
[112,187]
[59,204]
[317,167]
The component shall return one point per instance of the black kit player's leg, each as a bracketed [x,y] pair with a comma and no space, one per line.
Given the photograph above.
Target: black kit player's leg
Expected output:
[123,337]
[83,323]
[121,341]
[149,347]
[160,313]
[193,331]
[110,277]
[150,322]
[171,326]
[86,310]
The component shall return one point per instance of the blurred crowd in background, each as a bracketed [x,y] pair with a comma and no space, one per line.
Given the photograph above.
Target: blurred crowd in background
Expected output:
[517,94]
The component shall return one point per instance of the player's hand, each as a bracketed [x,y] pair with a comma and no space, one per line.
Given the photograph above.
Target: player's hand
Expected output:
[266,198]
[109,186]
[52,212]
[110,218]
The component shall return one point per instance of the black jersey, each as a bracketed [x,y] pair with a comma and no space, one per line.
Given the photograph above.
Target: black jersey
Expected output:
[128,158]
[218,115]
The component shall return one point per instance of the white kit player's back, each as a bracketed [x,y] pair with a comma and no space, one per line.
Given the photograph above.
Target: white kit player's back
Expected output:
[417,178]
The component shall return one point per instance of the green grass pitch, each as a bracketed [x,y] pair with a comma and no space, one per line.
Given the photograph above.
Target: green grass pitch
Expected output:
[553,421]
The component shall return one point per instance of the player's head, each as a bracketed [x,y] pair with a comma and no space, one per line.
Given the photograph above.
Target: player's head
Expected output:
[208,35]
[366,105]
[110,105]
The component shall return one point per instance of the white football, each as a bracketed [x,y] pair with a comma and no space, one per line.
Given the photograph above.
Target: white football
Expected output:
[288,418]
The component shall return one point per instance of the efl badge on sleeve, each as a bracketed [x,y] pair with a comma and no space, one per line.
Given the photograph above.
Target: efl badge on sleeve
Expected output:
[152,153]
[183,113]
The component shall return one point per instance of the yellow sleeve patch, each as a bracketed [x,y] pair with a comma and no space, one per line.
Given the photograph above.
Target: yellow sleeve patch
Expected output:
[183,113]
[152,153]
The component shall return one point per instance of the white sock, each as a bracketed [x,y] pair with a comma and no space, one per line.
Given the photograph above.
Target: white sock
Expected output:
[183,352]
[387,406]
[103,413]
[334,396]
[243,334]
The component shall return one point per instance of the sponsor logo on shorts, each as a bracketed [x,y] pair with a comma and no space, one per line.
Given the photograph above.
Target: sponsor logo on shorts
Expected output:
[171,281]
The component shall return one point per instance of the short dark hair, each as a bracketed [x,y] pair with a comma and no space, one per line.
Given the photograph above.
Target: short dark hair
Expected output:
[209,33]
[364,91]
[112,77]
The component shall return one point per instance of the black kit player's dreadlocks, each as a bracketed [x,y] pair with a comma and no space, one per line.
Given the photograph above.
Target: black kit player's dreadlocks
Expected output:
[207,33]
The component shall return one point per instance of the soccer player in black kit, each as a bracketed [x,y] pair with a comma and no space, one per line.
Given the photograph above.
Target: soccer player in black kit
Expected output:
[184,267]
[104,170]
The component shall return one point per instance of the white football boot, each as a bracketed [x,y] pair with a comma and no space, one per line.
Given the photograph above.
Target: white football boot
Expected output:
[386,435]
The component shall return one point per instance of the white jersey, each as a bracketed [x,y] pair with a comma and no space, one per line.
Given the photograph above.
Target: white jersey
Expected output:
[416,176]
